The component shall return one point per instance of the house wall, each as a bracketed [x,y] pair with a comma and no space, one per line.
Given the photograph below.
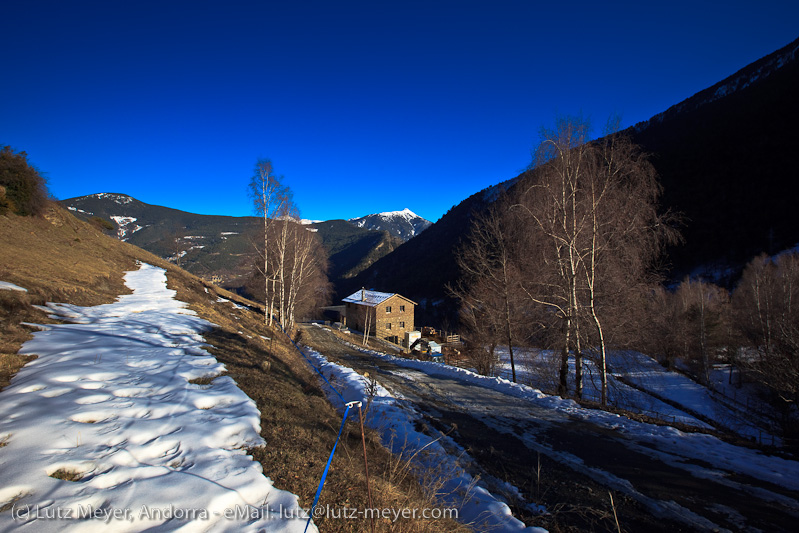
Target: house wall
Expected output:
[356,317]
[393,324]
[389,325]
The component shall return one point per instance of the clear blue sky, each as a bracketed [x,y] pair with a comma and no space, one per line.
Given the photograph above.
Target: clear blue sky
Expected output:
[362,106]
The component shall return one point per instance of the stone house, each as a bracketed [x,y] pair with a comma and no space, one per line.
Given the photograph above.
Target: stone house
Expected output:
[388,316]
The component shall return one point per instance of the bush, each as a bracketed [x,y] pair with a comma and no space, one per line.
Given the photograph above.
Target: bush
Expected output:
[102,224]
[22,189]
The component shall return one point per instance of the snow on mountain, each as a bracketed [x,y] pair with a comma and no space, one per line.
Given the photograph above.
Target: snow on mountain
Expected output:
[79,210]
[404,224]
[120,199]
[742,79]
[123,223]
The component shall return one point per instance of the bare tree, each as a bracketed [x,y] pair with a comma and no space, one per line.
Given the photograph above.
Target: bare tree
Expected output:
[487,288]
[270,199]
[550,206]
[594,230]
[481,320]
[767,312]
[303,273]
[705,311]
[292,261]
[661,326]
[626,236]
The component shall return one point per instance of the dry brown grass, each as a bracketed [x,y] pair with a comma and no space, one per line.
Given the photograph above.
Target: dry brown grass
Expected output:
[59,258]
[66,474]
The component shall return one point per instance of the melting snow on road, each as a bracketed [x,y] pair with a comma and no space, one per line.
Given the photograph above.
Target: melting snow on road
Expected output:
[108,406]
[396,421]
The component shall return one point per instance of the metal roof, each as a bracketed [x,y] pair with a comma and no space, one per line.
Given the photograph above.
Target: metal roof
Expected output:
[370,298]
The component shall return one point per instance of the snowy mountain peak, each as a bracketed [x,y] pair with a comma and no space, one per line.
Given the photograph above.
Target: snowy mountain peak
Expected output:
[405,213]
[404,224]
[120,199]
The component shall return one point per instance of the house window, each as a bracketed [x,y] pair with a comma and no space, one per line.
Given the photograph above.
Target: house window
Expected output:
[402,309]
[388,309]
[388,326]
[402,324]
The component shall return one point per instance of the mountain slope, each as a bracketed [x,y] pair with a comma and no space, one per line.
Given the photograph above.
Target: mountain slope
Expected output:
[404,224]
[725,158]
[205,244]
[421,268]
[352,249]
[209,245]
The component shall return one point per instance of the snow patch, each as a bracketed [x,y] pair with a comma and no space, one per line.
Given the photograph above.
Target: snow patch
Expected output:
[120,199]
[8,286]
[123,223]
[108,402]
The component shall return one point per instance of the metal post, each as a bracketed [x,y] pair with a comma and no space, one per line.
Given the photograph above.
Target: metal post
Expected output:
[366,468]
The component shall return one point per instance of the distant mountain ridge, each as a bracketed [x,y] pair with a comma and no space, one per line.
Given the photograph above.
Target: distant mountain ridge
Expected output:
[743,78]
[405,224]
[216,245]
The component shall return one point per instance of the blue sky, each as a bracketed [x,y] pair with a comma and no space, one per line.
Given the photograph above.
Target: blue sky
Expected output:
[362,106]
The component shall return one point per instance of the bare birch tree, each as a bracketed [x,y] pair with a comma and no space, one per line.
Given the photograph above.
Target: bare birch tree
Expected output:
[625,238]
[550,207]
[487,289]
[304,271]
[270,199]
[767,312]
[594,230]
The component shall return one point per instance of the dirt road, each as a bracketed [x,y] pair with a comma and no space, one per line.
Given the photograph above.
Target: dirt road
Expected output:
[571,464]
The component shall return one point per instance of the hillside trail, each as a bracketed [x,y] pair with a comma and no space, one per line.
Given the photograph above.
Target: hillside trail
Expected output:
[570,463]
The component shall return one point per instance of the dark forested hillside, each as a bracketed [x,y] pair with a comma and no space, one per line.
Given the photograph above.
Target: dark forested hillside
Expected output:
[352,249]
[726,158]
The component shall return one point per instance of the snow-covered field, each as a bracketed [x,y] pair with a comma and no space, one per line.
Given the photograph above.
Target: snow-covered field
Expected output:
[652,390]
[700,454]
[104,431]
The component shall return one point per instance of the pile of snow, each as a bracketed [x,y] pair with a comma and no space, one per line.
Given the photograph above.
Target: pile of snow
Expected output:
[234,304]
[79,210]
[108,403]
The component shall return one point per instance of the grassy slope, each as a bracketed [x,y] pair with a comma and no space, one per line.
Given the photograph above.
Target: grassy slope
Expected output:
[63,259]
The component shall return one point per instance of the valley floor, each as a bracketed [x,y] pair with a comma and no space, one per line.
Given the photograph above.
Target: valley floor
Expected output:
[541,450]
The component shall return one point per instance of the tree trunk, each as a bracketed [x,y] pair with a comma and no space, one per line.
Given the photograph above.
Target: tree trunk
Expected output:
[563,383]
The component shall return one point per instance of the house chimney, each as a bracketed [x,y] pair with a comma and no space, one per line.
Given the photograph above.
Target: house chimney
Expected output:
[363,294]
